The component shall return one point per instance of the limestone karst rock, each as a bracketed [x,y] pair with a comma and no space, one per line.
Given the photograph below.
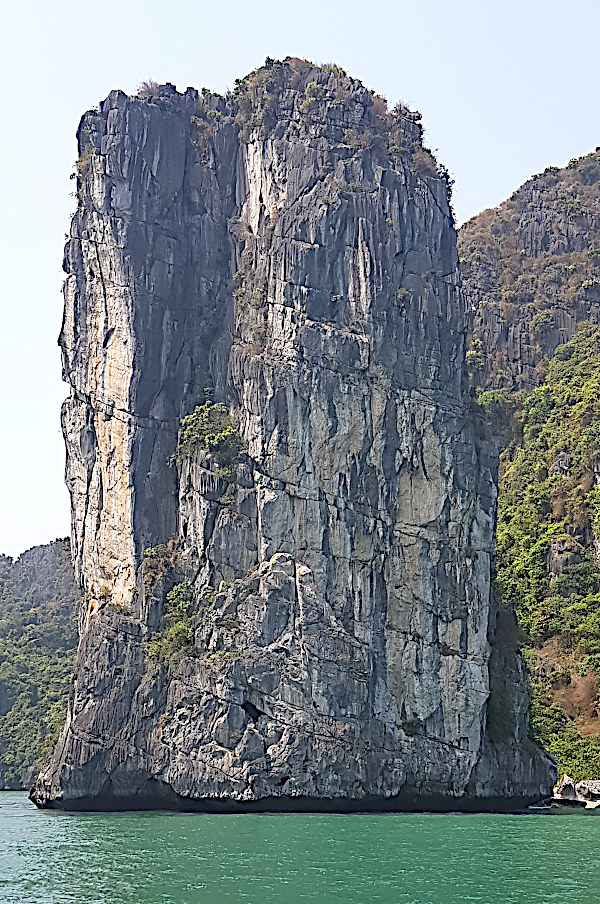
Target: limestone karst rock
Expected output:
[292,248]
[530,273]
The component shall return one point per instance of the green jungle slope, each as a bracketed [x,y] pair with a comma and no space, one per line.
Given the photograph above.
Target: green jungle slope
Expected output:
[38,638]
[531,274]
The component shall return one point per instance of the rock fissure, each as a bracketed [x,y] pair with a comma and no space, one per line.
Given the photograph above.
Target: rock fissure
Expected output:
[100,406]
[343,504]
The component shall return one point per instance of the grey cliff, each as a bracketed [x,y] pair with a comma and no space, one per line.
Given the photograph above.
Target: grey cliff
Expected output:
[529,271]
[290,246]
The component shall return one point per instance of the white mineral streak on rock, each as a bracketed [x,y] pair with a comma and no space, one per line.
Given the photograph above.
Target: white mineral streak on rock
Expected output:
[98,304]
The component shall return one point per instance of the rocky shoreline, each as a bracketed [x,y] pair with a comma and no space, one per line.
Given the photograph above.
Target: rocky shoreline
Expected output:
[569,795]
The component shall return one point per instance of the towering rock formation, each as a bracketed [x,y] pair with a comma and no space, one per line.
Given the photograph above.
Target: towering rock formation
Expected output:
[328,639]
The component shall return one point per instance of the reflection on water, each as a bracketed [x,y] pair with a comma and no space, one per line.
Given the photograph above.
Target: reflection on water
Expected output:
[163,858]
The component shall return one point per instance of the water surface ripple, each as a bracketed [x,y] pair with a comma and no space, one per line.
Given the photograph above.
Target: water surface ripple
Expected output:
[167,858]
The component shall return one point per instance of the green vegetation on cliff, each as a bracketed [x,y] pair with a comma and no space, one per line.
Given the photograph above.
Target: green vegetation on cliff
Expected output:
[209,427]
[531,274]
[37,647]
[549,506]
[548,525]
[178,634]
[577,755]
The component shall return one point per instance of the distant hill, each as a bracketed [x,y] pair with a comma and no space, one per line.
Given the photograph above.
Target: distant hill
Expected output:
[531,274]
[38,638]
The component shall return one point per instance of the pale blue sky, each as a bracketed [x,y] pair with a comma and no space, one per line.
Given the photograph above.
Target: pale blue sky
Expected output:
[505,89]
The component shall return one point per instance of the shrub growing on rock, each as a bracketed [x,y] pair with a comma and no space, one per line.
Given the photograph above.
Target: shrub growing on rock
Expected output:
[209,427]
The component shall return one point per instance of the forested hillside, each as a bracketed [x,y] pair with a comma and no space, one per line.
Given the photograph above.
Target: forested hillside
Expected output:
[37,645]
[531,272]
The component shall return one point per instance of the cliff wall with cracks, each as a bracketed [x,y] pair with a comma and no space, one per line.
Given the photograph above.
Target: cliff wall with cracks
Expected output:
[290,246]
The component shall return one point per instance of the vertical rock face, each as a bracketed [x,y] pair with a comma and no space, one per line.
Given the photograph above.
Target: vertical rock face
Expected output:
[292,248]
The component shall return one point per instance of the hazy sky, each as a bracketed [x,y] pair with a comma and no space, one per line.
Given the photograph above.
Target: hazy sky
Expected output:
[505,89]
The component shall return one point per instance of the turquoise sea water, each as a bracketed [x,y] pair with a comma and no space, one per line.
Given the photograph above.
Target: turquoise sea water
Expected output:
[164,858]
